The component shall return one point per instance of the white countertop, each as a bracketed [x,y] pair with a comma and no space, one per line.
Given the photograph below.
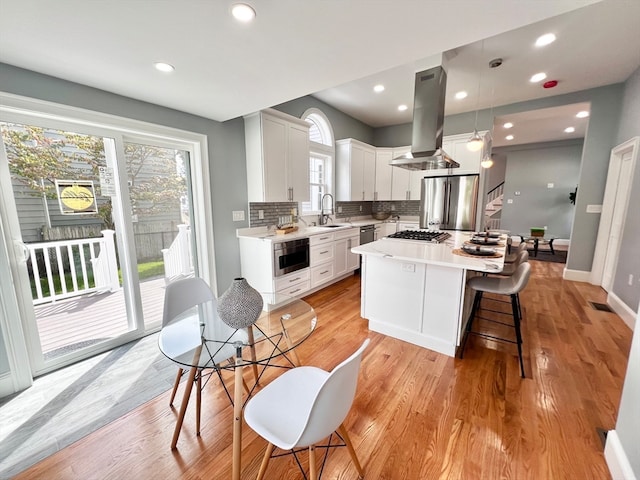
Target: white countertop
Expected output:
[266,233]
[432,253]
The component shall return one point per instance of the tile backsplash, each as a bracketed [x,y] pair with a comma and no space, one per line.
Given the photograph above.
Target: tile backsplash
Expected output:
[272,212]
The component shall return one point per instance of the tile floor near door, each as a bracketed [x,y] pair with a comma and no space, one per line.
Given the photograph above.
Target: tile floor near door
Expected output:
[68,404]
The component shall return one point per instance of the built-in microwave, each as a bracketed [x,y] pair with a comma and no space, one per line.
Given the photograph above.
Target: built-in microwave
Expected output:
[290,256]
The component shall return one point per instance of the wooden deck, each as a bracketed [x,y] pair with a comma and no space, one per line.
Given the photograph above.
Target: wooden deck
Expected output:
[77,322]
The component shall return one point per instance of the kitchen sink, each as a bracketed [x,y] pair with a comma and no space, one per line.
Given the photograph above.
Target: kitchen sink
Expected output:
[332,226]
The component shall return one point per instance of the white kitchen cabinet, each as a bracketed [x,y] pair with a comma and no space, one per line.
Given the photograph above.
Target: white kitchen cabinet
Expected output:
[353,259]
[277,154]
[294,283]
[321,258]
[405,184]
[355,170]
[384,173]
[345,260]
[387,229]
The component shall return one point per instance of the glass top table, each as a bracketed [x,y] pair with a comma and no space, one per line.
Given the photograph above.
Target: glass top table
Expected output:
[537,241]
[198,339]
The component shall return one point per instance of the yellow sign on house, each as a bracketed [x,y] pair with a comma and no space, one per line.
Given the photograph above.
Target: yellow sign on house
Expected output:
[76,197]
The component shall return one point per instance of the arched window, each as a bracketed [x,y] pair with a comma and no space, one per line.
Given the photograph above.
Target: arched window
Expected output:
[322,153]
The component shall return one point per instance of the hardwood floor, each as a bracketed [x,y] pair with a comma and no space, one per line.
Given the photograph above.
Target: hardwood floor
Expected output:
[417,414]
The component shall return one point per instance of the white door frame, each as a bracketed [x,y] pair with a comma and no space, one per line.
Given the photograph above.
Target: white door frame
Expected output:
[16,106]
[18,376]
[612,191]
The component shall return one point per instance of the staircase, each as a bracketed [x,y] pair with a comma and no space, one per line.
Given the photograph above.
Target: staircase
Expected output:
[493,207]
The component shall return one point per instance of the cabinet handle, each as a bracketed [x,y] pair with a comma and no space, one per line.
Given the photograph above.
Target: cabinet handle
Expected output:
[294,291]
[325,272]
[375,195]
[407,195]
[326,251]
[323,238]
[294,279]
[363,196]
[349,243]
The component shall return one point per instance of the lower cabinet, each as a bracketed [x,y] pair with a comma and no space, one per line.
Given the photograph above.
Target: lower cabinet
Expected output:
[294,283]
[330,257]
[345,260]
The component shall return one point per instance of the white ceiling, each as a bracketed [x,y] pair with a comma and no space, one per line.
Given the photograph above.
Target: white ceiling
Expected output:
[294,48]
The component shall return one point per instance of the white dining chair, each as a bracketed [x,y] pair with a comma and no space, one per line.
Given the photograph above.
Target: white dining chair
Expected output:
[180,296]
[304,406]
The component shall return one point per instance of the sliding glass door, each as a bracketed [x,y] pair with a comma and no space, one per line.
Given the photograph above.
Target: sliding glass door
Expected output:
[99,221]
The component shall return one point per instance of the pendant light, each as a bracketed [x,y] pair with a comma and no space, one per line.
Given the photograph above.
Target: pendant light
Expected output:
[475,143]
[487,161]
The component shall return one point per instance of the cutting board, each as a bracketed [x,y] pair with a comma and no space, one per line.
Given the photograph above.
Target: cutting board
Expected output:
[284,231]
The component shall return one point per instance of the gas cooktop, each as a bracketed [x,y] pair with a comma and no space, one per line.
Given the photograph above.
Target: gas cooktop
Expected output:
[421,235]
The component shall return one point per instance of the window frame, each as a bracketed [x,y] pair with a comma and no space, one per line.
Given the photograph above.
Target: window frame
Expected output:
[324,150]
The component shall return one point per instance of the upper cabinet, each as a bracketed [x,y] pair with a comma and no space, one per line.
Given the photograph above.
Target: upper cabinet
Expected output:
[363,171]
[384,173]
[277,150]
[355,170]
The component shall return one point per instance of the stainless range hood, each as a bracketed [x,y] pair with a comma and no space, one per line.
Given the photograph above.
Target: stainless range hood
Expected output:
[428,118]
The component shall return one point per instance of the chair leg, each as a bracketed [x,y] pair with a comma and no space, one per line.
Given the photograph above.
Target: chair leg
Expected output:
[516,321]
[347,440]
[313,467]
[474,309]
[198,400]
[265,461]
[175,386]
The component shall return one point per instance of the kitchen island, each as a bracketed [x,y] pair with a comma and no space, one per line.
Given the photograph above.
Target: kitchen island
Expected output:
[416,291]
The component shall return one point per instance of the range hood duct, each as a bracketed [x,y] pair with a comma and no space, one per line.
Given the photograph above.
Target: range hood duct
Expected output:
[428,118]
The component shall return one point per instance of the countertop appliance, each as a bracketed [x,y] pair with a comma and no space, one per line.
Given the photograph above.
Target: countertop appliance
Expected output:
[449,202]
[421,235]
[290,256]
[367,234]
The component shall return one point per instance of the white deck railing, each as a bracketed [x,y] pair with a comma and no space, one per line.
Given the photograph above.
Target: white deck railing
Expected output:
[178,260]
[76,261]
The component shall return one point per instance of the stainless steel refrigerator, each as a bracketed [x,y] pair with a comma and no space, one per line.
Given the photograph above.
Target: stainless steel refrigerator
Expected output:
[449,202]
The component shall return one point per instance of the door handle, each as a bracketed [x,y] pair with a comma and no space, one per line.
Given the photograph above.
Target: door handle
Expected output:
[26,253]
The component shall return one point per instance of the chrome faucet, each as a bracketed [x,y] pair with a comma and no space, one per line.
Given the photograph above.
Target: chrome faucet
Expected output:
[324,217]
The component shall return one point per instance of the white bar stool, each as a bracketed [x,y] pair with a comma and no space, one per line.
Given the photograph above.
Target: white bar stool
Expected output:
[502,285]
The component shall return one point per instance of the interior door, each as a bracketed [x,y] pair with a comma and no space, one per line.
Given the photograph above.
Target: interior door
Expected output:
[617,220]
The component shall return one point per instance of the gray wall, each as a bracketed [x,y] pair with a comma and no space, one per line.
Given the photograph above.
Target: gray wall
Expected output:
[530,168]
[343,125]
[225,142]
[606,103]
[628,423]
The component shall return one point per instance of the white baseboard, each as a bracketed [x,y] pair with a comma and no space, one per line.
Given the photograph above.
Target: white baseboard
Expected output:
[616,458]
[576,275]
[622,309]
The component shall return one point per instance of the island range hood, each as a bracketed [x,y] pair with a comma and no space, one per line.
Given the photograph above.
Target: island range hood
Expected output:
[428,118]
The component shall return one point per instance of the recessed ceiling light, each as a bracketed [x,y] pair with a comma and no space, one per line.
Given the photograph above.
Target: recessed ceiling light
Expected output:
[462,94]
[402,108]
[243,12]
[538,77]
[545,39]
[582,114]
[164,67]
[569,130]
[509,137]
[378,88]
[508,125]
